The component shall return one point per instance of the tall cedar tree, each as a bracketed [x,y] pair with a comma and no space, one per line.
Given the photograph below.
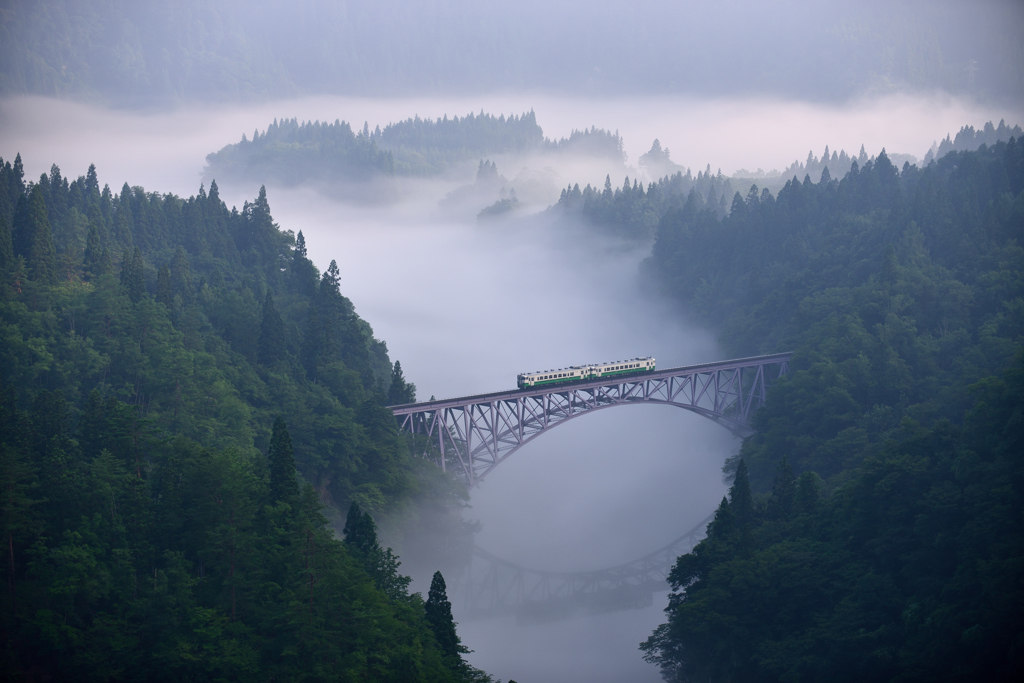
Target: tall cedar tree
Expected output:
[32,237]
[181,277]
[133,275]
[271,346]
[400,391]
[303,272]
[439,616]
[6,246]
[283,485]
[380,563]
[163,286]
[93,251]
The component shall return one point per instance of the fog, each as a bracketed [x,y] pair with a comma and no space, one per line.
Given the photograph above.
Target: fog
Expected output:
[153,53]
[465,305]
[729,133]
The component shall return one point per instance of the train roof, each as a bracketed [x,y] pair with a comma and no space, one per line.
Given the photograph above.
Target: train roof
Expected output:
[580,367]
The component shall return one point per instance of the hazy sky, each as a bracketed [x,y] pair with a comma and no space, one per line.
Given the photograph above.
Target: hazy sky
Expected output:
[155,53]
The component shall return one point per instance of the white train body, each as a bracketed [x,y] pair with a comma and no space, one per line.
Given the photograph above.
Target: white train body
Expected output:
[580,373]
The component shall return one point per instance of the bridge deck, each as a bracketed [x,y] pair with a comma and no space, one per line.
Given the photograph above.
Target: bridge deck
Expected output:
[407,408]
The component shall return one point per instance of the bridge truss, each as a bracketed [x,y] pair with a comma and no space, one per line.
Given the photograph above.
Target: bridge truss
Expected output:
[476,433]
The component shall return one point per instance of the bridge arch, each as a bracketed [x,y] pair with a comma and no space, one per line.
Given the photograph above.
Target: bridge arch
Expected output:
[475,434]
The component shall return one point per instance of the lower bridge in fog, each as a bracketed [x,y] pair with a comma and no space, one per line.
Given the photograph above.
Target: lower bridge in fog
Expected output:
[493,587]
[477,433]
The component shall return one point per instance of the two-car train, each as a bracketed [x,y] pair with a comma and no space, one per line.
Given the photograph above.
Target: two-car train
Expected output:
[581,373]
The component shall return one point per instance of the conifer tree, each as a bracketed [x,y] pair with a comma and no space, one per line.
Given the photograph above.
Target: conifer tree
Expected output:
[6,247]
[360,531]
[133,277]
[740,499]
[315,342]
[783,491]
[271,345]
[123,222]
[92,184]
[283,485]
[439,616]
[380,563]
[181,277]
[32,237]
[807,492]
[105,264]
[303,272]
[163,287]
[93,250]
[400,391]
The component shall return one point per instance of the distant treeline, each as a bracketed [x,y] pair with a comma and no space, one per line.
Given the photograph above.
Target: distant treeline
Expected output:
[968,139]
[289,152]
[873,530]
[185,402]
[633,212]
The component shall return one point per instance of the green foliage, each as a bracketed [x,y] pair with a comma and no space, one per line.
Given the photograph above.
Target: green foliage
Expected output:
[632,212]
[380,564]
[283,485]
[439,616]
[896,290]
[272,344]
[290,152]
[32,236]
[146,536]
[400,391]
[884,542]
[909,571]
[182,348]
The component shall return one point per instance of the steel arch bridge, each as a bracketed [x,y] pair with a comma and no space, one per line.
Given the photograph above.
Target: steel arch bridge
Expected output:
[493,587]
[477,433]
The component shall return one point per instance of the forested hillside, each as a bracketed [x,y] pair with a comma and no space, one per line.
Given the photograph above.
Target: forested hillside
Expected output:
[168,369]
[289,152]
[632,212]
[874,529]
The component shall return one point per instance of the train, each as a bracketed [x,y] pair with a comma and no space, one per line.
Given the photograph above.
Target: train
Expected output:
[582,373]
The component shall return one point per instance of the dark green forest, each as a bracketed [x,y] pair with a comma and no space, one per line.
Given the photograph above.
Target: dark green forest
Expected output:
[290,153]
[185,401]
[632,212]
[874,529]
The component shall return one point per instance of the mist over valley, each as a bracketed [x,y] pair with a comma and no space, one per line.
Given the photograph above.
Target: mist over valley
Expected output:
[202,337]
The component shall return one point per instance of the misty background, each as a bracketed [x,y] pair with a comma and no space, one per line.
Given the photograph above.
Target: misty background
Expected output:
[149,89]
[147,53]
